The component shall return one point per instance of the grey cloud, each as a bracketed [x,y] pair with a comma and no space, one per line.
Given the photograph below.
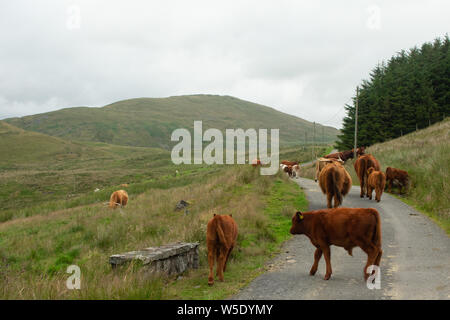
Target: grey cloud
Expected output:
[300,57]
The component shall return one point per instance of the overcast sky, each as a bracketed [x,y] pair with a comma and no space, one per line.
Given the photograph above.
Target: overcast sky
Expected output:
[301,57]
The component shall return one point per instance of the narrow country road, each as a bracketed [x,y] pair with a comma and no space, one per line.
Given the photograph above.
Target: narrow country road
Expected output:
[415,262]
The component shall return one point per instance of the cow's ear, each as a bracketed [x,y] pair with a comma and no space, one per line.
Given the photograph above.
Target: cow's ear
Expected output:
[299,215]
[231,215]
[214,214]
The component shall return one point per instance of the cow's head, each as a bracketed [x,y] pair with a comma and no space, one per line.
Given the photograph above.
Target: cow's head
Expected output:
[297,223]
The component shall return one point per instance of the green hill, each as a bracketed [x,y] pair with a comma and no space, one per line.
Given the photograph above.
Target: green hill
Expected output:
[37,168]
[149,122]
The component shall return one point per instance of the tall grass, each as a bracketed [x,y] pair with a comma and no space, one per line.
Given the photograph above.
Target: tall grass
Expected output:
[35,251]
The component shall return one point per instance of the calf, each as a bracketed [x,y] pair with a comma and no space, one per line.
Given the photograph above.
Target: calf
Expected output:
[118,198]
[342,227]
[396,174]
[361,165]
[221,235]
[335,182]
[376,181]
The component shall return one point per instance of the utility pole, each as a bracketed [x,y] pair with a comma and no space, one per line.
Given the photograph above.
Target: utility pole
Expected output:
[356,124]
[306,141]
[314,141]
[323,135]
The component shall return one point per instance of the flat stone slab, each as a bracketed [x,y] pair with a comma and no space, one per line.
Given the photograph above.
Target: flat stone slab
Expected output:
[170,258]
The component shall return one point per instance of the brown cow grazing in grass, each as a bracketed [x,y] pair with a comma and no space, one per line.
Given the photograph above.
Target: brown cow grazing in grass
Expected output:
[335,182]
[118,198]
[322,162]
[289,163]
[361,165]
[221,235]
[376,180]
[343,227]
[398,175]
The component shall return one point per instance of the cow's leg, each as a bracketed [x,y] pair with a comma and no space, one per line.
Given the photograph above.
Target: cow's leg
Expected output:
[361,194]
[369,192]
[317,256]
[327,256]
[336,201]
[378,194]
[226,259]
[367,186]
[378,258]
[390,186]
[372,255]
[221,262]
[329,198]
[211,254]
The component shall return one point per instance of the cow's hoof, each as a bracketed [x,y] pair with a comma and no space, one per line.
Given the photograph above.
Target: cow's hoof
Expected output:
[312,272]
[378,200]
[327,277]
[210,283]
[361,196]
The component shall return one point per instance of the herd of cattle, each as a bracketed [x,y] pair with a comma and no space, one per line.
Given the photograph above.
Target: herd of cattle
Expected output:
[343,227]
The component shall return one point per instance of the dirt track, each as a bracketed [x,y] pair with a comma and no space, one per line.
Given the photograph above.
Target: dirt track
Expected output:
[415,262]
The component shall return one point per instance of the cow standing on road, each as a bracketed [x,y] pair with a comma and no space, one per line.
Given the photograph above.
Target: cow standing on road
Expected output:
[342,227]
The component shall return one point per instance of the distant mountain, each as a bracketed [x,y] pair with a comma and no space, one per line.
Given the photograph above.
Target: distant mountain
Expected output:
[149,122]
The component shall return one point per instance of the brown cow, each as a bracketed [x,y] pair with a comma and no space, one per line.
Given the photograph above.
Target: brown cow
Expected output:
[361,165]
[288,170]
[376,181]
[221,235]
[335,182]
[399,175]
[321,163]
[343,227]
[344,155]
[118,198]
[360,151]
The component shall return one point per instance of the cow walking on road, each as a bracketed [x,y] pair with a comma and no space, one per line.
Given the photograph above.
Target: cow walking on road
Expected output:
[335,182]
[342,227]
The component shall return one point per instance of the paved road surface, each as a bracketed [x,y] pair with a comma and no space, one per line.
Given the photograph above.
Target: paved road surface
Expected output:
[415,262]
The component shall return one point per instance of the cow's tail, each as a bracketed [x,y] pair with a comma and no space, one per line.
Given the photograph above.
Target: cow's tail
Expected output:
[362,172]
[221,235]
[333,179]
[376,239]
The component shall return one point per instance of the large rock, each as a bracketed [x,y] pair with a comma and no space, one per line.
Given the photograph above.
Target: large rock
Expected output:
[174,258]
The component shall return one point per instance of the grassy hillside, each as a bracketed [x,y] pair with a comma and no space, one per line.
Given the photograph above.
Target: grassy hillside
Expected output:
[149,122]
[425,154]
[35,251]
[36,168]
